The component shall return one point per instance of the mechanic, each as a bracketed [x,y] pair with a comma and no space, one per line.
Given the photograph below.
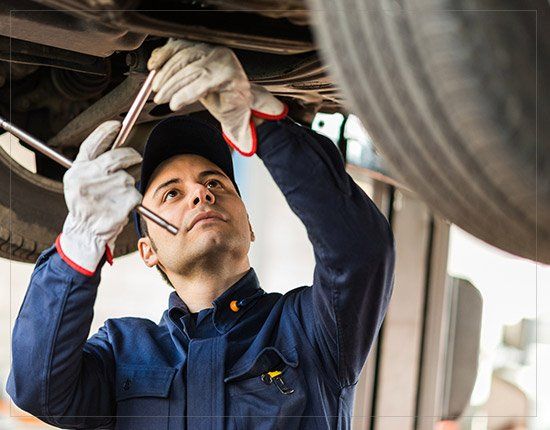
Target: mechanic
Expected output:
[225,354]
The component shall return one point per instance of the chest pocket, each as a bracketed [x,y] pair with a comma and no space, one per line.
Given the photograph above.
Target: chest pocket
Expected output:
[142,395]
[268,393]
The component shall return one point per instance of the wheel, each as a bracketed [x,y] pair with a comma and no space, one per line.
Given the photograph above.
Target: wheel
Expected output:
[32,211]
[450,97]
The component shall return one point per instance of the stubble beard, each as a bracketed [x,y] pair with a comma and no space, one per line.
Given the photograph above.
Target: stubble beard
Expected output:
[218,250]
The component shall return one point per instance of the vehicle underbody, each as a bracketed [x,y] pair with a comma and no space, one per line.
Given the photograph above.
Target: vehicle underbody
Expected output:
[64,82]
[452,98]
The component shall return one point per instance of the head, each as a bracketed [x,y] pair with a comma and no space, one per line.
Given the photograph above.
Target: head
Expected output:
[200,197]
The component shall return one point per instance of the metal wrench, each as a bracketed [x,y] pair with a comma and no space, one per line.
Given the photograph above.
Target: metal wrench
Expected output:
[134,111]
[127,124]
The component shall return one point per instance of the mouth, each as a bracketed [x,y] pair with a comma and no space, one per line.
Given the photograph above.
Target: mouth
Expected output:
[206,216]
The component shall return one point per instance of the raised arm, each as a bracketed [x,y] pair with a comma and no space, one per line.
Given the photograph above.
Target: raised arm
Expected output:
[352,241]
[56,374]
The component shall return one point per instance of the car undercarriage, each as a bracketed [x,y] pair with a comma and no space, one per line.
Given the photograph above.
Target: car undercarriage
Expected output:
[453,98]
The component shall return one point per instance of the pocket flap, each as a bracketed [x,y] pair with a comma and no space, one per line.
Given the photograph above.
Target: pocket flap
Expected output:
[268,359]
[143,381]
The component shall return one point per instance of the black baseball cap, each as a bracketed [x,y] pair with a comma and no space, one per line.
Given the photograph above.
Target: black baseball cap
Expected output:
[183,135]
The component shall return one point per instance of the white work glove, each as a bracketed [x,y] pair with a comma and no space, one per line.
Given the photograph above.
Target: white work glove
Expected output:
[190,71]
[100,196]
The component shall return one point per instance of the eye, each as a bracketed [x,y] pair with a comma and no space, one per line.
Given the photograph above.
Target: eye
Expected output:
[170,195]
[213,183]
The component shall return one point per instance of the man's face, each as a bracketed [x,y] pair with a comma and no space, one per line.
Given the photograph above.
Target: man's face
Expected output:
[195,195]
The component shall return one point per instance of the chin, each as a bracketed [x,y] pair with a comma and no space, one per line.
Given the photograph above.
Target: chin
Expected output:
[211,240]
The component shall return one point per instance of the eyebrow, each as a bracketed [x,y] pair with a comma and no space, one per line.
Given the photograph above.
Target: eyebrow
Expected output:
[202,175]
[166,184]
[205,173]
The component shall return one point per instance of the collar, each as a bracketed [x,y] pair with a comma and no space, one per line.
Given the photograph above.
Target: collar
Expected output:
[228,307]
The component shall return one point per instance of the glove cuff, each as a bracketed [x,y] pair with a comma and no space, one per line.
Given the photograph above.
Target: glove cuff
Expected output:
[245,140]
[269,116]
[82,252]
[248,139]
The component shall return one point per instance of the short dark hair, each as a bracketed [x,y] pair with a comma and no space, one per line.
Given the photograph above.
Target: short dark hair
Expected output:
[145,233]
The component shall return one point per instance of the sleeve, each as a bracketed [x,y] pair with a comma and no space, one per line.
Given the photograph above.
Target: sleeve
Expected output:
[56,375]
[352,241]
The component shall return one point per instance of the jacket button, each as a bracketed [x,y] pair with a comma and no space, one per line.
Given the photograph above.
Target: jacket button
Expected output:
[126,385]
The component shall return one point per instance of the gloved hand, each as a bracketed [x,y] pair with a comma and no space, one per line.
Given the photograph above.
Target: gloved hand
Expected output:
[190,71]
[99,195]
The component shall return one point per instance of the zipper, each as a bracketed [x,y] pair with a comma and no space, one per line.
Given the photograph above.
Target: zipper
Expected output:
[276,377]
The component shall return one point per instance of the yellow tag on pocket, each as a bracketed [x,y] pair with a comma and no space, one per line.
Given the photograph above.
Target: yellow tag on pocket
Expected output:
[274,374]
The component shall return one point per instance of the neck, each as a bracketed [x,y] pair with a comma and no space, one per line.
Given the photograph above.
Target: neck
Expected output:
[199,288]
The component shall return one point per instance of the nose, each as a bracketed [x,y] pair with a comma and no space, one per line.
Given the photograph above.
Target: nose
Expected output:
[202,195]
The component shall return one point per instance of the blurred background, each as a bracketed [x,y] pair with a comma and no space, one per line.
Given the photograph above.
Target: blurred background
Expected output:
[466,343]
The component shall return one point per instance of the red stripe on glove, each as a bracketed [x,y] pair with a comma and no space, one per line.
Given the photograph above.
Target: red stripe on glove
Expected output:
[70,262]
[75,266]
[270,117]
[254,141]
[252,126]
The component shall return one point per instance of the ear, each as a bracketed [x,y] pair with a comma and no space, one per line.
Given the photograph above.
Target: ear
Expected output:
[147,253]
[252,236]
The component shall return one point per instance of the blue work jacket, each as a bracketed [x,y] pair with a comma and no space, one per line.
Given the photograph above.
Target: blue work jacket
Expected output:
[281,361]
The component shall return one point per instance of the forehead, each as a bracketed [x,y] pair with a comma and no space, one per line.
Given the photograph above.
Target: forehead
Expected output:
[181,166]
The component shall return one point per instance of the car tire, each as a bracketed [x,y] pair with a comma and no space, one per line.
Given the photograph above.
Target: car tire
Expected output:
[450,98]
[32,212]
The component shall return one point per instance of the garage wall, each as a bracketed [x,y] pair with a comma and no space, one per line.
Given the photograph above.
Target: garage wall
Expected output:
[400,386]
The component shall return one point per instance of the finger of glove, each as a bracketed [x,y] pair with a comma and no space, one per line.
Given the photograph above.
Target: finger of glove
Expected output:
[120,196]
[175,83]
[118,159]
[124,204]
[179,61]
[115,209]
[133,198]
[98,141]
[160,55]
[197,89]
[124,192]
